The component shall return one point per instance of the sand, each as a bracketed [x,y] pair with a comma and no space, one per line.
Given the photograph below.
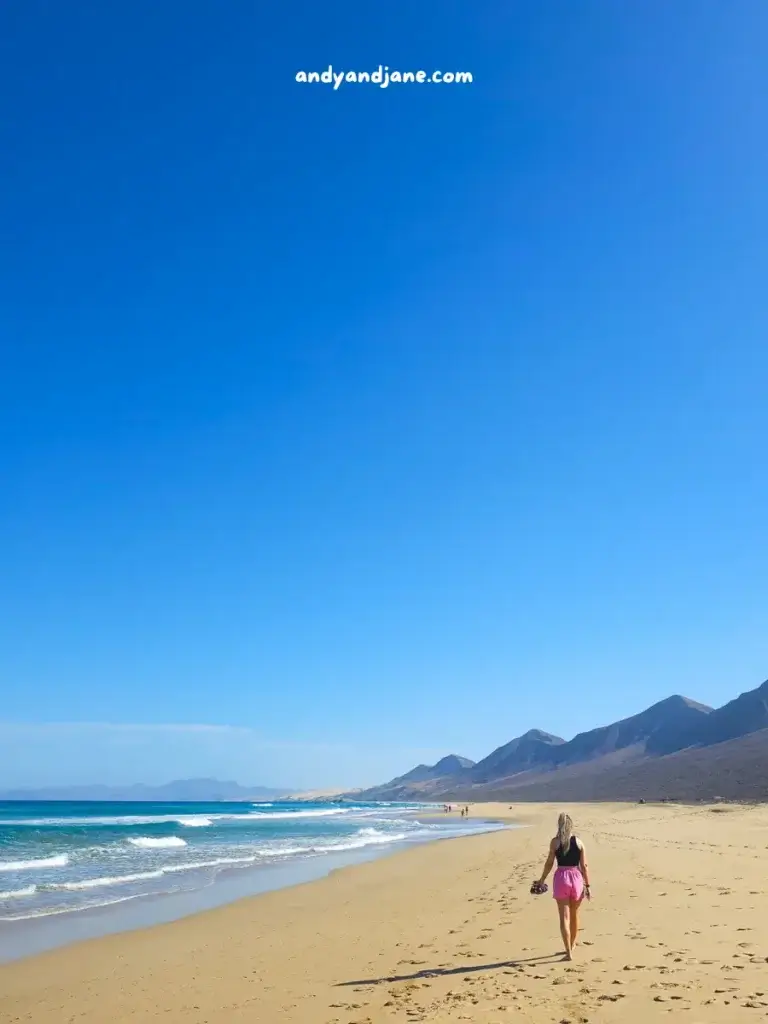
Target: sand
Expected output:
[449,932]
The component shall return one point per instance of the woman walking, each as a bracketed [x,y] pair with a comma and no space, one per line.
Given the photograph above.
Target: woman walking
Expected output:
[571,881]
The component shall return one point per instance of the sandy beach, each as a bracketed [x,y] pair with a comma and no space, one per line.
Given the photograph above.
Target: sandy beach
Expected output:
[449,932]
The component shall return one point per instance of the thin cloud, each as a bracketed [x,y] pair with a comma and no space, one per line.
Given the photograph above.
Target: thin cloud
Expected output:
[152,729]
[192,727]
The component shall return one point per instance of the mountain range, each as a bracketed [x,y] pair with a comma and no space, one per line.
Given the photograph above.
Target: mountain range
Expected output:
[676,749]
[180,791]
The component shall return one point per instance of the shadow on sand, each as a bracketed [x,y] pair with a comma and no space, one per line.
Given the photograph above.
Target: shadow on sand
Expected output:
[443,972]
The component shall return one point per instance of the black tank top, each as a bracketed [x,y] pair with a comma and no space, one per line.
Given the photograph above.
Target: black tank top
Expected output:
[571,857]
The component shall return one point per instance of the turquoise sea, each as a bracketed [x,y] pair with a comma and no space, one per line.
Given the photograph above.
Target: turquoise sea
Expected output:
[63,857]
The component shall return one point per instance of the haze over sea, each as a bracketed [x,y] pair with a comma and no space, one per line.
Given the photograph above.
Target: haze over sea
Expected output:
[59,857]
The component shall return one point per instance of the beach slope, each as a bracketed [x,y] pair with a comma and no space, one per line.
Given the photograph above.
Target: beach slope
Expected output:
[449,932]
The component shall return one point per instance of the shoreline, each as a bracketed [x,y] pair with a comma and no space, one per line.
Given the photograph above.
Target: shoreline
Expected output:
[23,938]
[447,931]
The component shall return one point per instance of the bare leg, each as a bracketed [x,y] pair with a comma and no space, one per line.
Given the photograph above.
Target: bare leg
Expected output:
[574,920]
[565,926]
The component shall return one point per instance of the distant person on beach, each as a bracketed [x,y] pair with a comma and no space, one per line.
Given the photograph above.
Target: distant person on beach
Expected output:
[571,882]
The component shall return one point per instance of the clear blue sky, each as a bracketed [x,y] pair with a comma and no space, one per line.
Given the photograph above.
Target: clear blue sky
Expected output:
[377,424]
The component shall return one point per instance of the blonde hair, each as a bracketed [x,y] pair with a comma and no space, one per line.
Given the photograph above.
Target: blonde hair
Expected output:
[564,831]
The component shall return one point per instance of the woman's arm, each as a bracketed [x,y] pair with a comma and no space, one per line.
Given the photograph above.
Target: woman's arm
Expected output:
[584,866]
[548,863]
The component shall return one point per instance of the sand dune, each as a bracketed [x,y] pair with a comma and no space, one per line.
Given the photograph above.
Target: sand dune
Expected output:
[450,933]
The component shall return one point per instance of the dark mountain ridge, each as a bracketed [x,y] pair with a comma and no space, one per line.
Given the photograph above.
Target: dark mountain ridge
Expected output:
[672,736]
[674,717]
[452,764]
[745,714]
[447,767]
[527,751]
[735,769]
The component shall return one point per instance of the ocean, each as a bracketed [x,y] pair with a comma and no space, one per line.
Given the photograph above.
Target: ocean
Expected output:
[60,858]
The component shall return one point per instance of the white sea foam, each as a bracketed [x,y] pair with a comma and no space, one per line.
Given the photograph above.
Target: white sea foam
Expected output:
[13,894]
[107,880]
[362,838]
[377,819]
[360,842]
[119,819]
[159,843]
[215,863]
[60,860]
[55,911]
[329,812]
[183,819]
[285,851]
[142,876]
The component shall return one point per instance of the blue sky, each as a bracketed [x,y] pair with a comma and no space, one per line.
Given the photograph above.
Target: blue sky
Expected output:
[342,429]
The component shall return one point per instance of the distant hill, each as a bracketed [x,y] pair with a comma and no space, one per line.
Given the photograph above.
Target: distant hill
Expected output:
[745,714]
[675,749]
[734,770]
[674,718]
[534,748]
[446,768]
[181,791]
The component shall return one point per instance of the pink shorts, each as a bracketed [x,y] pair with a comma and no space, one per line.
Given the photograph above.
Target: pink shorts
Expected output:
[568,884]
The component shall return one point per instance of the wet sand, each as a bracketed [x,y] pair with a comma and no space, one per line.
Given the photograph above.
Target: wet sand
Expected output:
[449,932]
